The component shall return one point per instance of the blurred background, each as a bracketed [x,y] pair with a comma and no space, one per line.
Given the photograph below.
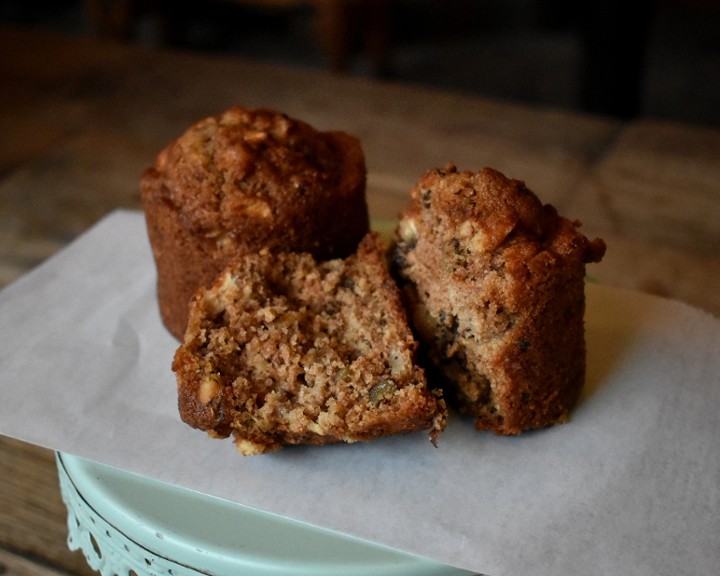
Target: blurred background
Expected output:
[658,58]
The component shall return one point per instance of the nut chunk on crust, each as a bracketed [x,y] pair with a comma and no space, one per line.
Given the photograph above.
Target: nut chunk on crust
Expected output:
[495,284]
[283,349]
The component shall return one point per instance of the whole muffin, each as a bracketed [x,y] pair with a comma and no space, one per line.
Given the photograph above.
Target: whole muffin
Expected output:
[242,181]
[494,282]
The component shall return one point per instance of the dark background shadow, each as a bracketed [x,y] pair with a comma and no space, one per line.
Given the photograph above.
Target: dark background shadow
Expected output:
[656,58]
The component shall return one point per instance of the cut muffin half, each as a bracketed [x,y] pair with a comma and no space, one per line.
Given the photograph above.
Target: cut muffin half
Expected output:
[283,349]
[494,281]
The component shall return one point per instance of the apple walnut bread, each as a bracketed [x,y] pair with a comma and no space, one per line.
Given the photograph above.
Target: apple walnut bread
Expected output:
[494,282]
[244,180]
[284,349]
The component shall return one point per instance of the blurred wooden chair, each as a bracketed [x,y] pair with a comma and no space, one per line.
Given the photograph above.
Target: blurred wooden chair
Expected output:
[340,23]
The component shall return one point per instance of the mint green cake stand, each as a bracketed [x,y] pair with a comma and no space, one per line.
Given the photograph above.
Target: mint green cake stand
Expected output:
[127,525]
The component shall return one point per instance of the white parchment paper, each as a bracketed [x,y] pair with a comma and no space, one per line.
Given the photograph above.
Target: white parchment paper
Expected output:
[630,486]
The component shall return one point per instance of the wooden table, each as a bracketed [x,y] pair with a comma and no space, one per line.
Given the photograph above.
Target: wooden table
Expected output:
[80,119]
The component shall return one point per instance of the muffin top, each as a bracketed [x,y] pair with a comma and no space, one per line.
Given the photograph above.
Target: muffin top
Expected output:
[486,211]
[255,165]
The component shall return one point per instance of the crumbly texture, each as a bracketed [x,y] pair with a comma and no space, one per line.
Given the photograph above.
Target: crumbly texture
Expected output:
[283,349]
[241,181]
[494,282]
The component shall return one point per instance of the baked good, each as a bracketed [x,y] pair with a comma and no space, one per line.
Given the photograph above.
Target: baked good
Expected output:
[494,281]
[284,349]
[241,181]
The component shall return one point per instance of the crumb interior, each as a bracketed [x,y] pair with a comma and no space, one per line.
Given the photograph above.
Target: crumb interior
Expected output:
[307,352]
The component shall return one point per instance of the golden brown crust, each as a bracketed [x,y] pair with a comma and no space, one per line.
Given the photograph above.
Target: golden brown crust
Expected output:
[495,284]
[244,180]
[283,349]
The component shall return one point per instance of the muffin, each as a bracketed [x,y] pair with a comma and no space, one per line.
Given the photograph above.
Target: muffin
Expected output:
[494,282]
[284,349]
[242,181]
